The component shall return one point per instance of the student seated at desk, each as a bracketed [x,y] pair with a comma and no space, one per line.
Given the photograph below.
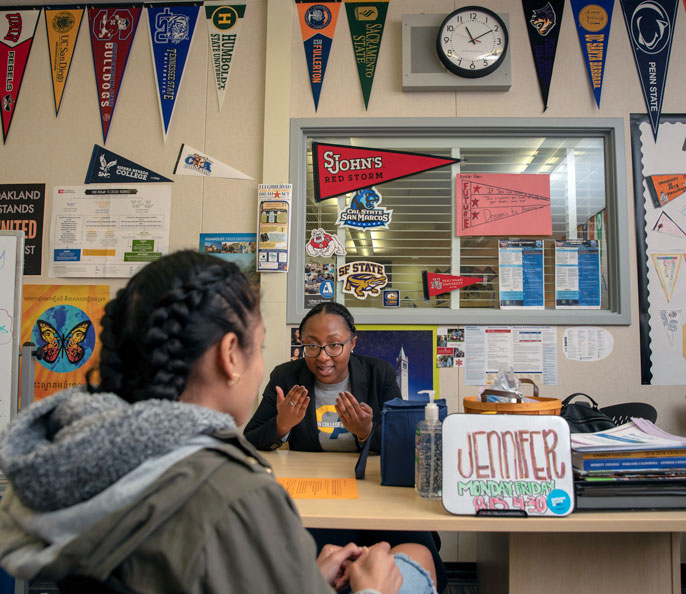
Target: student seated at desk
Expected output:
[329,401]
[143,482]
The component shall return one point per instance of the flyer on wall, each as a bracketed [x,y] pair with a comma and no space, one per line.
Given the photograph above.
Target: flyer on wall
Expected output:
[521,274]
[577,274]
[273,225]
[108,231]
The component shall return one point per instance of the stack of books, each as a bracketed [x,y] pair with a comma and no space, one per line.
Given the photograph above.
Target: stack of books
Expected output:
[633,466]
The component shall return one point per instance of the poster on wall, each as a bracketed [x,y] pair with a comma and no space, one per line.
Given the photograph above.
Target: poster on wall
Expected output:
[62,26]
[450,347]
[239,248]
[273,226]
[108,231]
[64,321]
[521,274]
[22,207]
[577,274]
[661,282]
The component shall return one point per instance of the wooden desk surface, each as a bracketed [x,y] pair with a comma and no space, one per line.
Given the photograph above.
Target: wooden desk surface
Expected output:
[398,508]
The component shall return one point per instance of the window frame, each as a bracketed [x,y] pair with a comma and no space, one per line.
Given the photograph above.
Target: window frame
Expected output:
[617,232]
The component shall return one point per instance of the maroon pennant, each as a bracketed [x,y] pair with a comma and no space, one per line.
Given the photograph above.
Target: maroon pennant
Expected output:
[437,284]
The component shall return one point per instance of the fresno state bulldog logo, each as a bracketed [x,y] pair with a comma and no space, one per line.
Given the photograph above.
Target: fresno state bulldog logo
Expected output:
[324,244]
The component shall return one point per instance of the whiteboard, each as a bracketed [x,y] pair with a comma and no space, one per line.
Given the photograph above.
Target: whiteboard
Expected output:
[11,263]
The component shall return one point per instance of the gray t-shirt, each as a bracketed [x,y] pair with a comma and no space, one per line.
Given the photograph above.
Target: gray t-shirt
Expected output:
[333,437]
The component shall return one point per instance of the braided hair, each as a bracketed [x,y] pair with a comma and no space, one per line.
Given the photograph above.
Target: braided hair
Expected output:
[330,307]
[165,318]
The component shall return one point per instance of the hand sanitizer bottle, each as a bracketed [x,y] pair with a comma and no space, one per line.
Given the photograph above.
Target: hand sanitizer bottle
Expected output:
[428,475]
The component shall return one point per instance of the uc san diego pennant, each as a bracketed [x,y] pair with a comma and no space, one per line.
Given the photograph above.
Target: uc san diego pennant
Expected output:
[593,19]
[112,29]
[17,28]
[317,25]
[339,169]
[171,32]
[223,23]
[366,21]
[543,22]
[650,25]
[62,26]
[107,167]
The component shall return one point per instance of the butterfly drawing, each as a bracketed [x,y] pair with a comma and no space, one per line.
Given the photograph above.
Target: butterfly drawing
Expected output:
[70,343]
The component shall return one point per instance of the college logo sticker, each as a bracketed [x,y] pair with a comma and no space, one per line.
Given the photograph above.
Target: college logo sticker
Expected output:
[324,245]
[62,27]
[364,211]
[109,167]
[362,279]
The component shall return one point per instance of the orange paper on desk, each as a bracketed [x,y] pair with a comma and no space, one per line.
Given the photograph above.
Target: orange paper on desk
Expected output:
[505,204]
[320,488]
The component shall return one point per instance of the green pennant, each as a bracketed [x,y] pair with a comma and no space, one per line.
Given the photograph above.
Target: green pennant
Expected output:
[366,22]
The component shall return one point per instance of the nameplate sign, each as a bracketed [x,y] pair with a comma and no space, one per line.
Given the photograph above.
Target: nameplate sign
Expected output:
[507,465]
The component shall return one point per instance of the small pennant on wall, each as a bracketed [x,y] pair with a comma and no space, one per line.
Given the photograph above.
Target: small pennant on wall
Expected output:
[107,167]
[436,284]
[62,25]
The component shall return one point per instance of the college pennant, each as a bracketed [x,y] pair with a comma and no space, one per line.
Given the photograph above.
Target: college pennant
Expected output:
[223,23]
[650,25]
[192,162]
[317,25]
[62,26]
[366,21]
[339,169]
[593,19]
[17,28]
[543,21]
[112,29]
[171,32]
[436,284]
[107,167]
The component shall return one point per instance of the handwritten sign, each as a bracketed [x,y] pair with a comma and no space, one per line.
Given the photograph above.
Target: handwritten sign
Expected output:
[507,464]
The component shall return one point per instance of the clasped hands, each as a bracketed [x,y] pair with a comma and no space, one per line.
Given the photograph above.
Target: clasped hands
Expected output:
[355,416]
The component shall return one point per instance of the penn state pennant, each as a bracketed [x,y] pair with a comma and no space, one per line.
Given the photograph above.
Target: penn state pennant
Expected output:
[171,32]
[593,19]
[650,24]
[62,26]
[366,21]
[112,29]
[17,28]
[107,167]
[543,21]
[339,169]
[223,24]
[317,25]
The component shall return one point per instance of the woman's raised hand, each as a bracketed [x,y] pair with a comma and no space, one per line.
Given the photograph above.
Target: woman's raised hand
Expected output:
[290,409]
[355,416]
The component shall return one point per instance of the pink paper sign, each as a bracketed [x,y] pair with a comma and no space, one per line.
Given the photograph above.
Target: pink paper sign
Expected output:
[505,204]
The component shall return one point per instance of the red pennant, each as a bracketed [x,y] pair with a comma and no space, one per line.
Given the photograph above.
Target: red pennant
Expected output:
[437,284]
[339,169]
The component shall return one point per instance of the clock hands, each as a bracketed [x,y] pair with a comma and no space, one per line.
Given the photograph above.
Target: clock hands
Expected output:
[471,38]
[477,37]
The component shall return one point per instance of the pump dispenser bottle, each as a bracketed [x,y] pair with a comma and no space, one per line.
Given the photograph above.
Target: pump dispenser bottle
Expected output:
[428,476]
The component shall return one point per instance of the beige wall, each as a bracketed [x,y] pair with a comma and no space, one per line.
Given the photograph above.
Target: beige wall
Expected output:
[251,134]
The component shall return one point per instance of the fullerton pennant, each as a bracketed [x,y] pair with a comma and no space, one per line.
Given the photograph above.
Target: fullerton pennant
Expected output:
[317,25]
[17,28]
[171,32]
[62,26]
[593,19]
[437,284]
[339,169]
[107,167]
[650,25]
[112,29]
[366,21]
[223,24]
[543,23]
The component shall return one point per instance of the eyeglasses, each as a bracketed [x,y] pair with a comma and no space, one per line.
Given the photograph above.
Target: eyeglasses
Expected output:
[333,349]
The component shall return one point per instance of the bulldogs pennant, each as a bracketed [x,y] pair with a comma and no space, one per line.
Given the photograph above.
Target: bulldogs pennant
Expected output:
[17,28]
[650,25]
[62,26]
[317,25]
[593,19]
[112,29]
[543,22]
[107,167]
[171,32]
[339,169]
[436,284]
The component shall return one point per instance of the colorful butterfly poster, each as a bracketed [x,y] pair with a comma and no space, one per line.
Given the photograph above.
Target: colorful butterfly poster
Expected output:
[64,321]
[62,26]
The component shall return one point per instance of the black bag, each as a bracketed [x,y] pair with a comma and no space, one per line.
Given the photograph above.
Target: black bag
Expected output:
[584,418]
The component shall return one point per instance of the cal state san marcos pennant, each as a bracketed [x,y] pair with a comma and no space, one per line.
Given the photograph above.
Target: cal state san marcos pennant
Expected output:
[317,25]
[339,169]
[62,26]
[112,29]
[650,24]
[171,32]
[17,28]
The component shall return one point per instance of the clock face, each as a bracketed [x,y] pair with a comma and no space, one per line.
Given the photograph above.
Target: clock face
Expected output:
[472,42]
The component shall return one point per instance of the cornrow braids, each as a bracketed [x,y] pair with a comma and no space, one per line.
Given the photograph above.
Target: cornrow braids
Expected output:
[168,315]
[330,307]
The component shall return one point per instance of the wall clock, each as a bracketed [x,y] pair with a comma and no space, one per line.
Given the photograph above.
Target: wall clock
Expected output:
[472,42]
